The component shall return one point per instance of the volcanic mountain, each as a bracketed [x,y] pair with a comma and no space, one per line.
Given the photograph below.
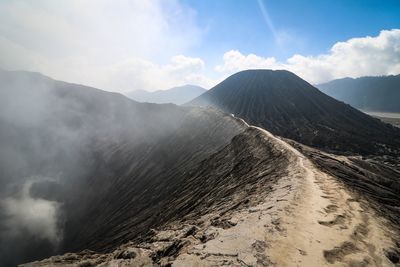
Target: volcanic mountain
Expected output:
[112,182]
[367,93]
[286,105]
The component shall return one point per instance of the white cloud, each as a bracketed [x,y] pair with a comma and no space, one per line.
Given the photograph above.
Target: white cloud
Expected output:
[142,74]
[379,55]
[235,61]
[80,41]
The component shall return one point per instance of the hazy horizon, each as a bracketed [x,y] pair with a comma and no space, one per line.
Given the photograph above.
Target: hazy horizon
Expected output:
[121,46]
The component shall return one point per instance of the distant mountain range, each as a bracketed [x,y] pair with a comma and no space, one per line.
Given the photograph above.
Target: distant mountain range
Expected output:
[286,105]
[366,93]
[176,95]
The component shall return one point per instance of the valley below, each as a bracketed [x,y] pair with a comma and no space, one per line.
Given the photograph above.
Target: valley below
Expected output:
[391,118]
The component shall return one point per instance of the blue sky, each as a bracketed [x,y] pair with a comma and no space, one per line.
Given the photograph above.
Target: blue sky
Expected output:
[124,45]
[311,26]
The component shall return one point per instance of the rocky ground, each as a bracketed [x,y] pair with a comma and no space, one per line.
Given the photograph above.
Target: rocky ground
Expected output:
[296,213]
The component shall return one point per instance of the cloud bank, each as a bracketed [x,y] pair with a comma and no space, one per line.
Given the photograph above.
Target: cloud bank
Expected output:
[144,74]
[367,56]
[90,41]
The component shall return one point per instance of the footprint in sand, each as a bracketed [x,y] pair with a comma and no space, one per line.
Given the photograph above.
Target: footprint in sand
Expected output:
[339,219]
[331,208]
[338,253]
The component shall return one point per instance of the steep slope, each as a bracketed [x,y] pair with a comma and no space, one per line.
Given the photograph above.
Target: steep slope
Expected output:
[176,95]
[265,205]
[367,93]
[81,168]
[286,105]
[140,181]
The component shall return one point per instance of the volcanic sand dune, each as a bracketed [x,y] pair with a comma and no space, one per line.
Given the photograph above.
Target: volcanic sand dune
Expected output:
[309,219]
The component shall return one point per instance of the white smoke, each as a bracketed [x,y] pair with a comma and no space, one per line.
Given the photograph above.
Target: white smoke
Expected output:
[37,216]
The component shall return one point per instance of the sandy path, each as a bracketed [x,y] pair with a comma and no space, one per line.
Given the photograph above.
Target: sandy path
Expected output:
[309,219]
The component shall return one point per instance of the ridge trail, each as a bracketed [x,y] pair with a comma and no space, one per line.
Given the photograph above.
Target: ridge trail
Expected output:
[310,219]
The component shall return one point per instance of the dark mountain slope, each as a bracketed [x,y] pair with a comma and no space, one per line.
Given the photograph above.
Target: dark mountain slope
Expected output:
[176,95]
[141,179]
[102,164]
[367,93]
[245,167]
[286,105]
